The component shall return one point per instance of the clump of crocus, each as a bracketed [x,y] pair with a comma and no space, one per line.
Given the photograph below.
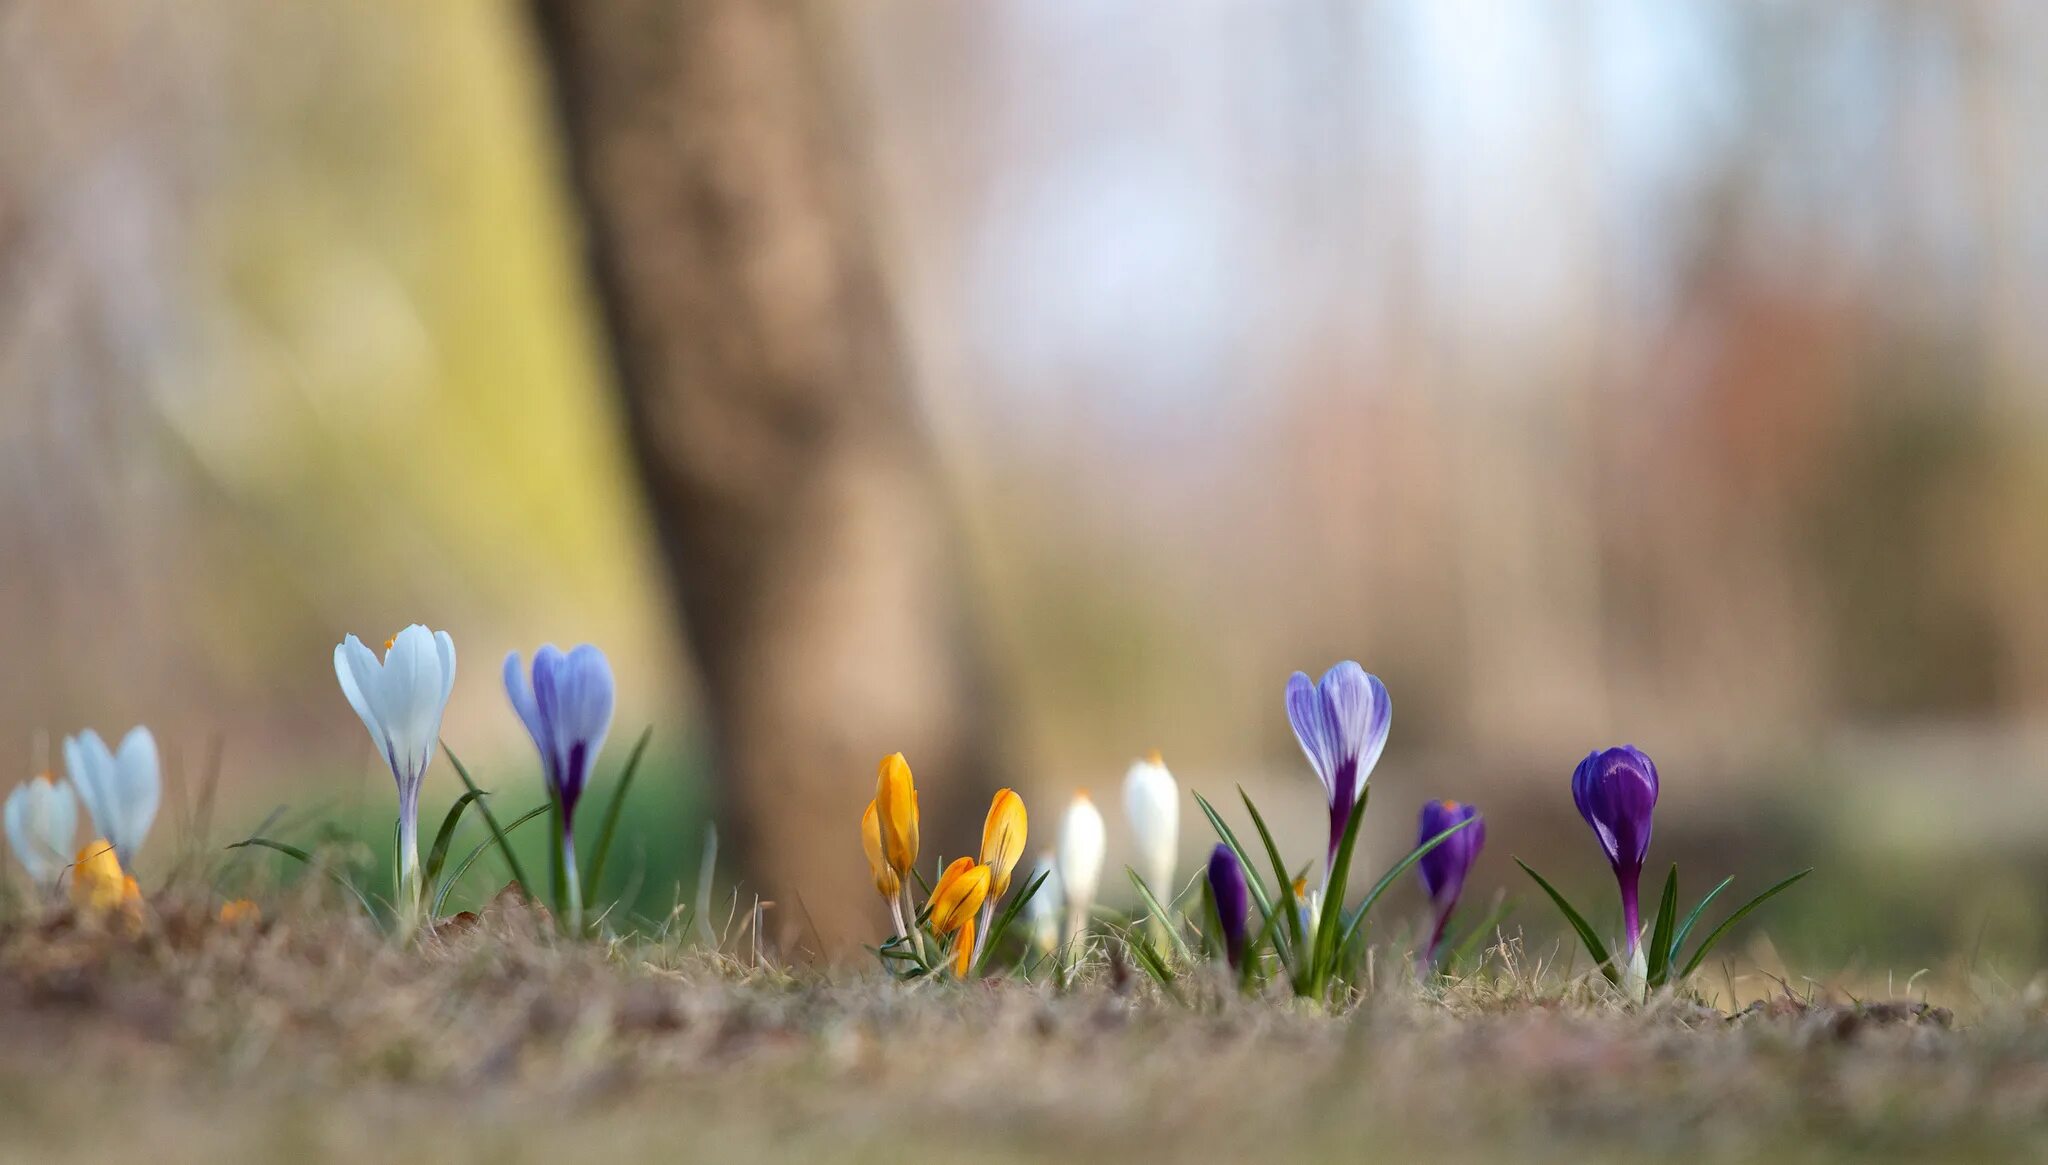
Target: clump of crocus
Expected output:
[1444,868]
[1079,861]
[101,892]
[1342,722]
[1616,792]
[121,788]
[400,699]
[42,821]
[1232,899]
[566,705]
[1152,802]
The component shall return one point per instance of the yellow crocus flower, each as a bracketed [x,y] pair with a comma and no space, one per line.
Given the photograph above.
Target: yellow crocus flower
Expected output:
[959,894]
[240,911]
[896,813]
[963,950]
[887,883]
[100,890]
[1002,840]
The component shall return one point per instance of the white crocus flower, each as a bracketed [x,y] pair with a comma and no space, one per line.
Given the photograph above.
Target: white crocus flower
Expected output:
[1042,912]
[42,820]
[1078,861]
[121,789]
[400,700]
[1152,801]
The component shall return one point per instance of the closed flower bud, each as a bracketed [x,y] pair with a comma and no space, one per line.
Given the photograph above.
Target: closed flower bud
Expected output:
[887,883]
[1444,868]
[963,949]
[100,891]
[1002,840]
[1232,896]
[960,893]
[1152,802]
[1080,860]
[1616,792]
[896,810]
[239,912]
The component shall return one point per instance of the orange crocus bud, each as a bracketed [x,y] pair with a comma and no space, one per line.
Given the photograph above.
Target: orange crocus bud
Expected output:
[887,884]
[100,890]
[896,811]
[240,911]
[958,895]
[1002,840]
[963,949]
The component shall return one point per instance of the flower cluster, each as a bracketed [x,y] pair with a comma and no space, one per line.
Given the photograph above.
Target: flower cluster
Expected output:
[958,914]
[121,789]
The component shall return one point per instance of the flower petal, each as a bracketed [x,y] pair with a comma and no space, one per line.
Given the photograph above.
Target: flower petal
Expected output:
[356,666]
[1305,713]
[141,789]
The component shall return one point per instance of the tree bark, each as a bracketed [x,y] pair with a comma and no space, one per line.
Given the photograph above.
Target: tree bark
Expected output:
[791,484]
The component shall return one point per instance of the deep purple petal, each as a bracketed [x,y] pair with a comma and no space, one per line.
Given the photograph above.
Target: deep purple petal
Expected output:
[1233,900]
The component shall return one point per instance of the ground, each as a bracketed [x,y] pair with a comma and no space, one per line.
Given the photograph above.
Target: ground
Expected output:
[310,1037]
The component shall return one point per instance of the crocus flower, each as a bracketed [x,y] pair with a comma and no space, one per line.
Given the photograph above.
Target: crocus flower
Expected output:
[42,819]
[566,705]
[896,813]
[400,700]
[1341,722]
[1232,896]
[120,789]
[1079,860]
[1002,840]
[1443,869]
[965,949]
[887,883]
[960,892]
[1616,792]
[1152,802]
[100,891]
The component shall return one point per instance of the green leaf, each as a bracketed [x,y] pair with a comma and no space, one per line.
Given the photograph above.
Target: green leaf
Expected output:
[1001,925]
[611,816]
[1387,879]
[1141,950]
[1152,904]
[1658,960]
[1323,961]
[293,851]
[1685,931]
[1586,935]
[438,855]
[1707,943]
[1296,940]
[483,804]
[1249,968]
[497,838]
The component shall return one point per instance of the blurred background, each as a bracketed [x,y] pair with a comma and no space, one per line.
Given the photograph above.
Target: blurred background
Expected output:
[1592,372]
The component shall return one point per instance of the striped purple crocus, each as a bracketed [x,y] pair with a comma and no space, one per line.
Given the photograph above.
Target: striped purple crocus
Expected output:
[1444,868]
[1341,722]
[1616,792]
[566,705]
[1233,901]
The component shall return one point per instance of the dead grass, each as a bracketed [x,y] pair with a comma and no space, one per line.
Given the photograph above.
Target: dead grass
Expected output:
[312,1038]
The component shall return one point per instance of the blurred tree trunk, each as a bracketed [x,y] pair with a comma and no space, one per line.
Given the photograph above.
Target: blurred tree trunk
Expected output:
[791,484]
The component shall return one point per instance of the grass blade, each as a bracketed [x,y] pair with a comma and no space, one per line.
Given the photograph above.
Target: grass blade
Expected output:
[1296,940]
[1714,936]
[1180,944]
[292,851]
[1141,950]
[438,855]
[1593,945]
[1380,887]
[1251,872]
[462,867]
[483,805]
[611,816]
[1685,931]
[1658,962]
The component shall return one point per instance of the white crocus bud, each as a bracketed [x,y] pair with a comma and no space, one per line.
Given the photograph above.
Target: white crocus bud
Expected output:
[1078,862]
[1152,801]
[1635,976]
[1042,912]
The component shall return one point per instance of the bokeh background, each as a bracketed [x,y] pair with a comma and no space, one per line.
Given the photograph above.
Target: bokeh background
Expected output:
[1593,372]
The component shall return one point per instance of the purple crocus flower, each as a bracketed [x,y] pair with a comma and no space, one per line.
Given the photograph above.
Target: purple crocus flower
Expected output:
[1233,900]
[1443,869]
[567,707]
[1616,792]
[1341,722]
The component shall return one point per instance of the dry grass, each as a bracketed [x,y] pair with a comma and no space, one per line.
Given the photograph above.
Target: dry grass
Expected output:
[312,1038]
